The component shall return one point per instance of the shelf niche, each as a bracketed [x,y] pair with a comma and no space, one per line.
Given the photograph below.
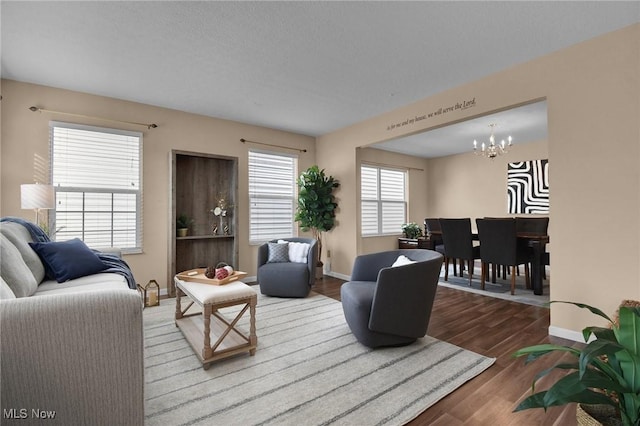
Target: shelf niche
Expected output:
[198,180]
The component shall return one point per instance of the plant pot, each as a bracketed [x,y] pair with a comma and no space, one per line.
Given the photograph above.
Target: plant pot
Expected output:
[319,270]
[597,415]
[182,232]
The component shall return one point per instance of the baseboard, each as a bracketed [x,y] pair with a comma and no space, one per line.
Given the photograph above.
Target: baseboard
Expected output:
[564,333]
[337,275]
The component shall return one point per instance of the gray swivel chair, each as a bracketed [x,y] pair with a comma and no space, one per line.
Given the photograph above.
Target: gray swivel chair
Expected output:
[287,279]
[391,306]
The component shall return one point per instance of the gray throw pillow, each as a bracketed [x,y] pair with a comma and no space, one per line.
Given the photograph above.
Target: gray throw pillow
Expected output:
[278,253]
[15,271]
[5,290]
[20,237]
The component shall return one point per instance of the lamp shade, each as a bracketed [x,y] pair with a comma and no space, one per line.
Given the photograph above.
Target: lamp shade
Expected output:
[37,196]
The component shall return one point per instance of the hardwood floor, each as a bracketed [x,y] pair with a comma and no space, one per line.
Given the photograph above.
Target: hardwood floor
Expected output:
[494,328]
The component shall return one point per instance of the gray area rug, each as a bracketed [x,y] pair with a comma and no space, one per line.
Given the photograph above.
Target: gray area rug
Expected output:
[308,370]
[501,289]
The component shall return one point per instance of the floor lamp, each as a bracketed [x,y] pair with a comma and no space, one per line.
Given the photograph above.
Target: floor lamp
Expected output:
[38,197]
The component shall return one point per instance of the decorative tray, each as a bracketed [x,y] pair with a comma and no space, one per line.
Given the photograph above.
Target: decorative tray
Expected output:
[197,276]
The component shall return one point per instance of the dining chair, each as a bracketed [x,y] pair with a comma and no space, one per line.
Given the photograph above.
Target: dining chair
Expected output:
[499,246]
[458,244]
[433,230]
[433,225]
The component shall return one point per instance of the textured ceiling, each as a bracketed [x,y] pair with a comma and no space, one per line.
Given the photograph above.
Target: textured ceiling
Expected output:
[305,67]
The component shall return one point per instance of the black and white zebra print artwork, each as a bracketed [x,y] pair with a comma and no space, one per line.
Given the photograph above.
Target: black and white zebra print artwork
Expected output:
[528,187]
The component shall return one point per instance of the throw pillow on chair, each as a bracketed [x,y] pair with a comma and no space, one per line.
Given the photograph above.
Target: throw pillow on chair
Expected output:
[297,251]
[278,253]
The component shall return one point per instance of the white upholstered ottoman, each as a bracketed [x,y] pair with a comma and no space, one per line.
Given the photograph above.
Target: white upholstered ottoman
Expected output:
[212,325]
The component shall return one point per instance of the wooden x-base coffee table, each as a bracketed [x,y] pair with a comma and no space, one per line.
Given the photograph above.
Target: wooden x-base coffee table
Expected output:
[199,330]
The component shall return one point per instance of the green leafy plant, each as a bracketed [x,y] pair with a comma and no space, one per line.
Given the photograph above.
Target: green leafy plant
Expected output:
[183,221]
[606,371]
[316,204]
[411,230]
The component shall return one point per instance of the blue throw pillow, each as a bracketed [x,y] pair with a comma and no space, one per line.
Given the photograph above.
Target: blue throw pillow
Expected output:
[68,260]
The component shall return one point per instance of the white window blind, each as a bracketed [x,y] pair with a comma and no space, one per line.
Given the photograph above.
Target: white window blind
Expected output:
[369,199]
[383,202]
[97,174]
[272,196]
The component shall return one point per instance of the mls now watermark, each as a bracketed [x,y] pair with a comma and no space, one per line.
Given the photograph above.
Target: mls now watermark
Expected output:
[25,413]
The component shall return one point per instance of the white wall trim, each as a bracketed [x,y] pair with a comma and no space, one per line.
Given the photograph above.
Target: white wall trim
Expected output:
[564,333]
[337,275]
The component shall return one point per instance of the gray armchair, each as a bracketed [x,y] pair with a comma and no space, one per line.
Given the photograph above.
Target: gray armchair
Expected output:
[287,279]
[391,306]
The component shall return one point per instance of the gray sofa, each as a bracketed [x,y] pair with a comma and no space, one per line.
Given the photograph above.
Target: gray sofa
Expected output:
[74,349]
[387,305]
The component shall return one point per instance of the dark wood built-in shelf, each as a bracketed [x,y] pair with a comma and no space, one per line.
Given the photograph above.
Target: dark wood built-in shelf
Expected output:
[203,237]
[197,181]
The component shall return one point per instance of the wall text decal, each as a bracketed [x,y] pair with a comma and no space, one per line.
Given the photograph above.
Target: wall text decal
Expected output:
[440,111]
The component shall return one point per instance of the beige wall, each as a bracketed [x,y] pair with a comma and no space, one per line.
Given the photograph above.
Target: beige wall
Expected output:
[592,95]
[416,193]
[25,135]
[467,185]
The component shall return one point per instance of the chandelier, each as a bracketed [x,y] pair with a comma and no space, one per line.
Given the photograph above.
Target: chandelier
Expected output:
[492,150]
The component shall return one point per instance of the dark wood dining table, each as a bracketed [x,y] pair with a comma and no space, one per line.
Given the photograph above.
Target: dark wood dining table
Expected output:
[537,242]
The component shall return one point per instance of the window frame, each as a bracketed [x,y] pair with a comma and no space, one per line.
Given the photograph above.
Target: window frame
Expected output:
[381,202]
[83,190]
[256,239]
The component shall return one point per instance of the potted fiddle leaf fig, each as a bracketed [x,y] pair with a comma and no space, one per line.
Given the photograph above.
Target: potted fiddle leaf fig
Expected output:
[316,206]
[606,372]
